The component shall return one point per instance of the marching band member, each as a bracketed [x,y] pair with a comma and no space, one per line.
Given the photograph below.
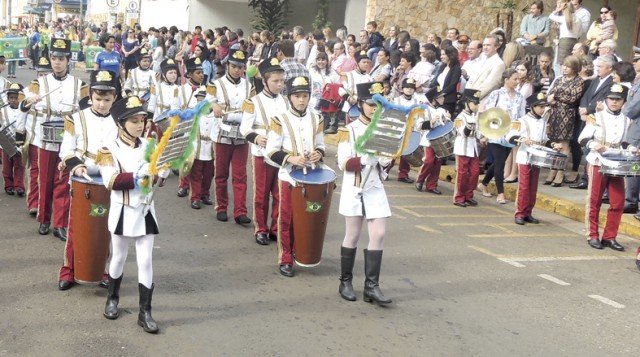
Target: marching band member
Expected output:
[430,169]
[58,96]
[187,98]
[351,79]
[140,79]
[295,139]
[466,150]
[123,168]
[29,132]
[201,173]
[12,167]
[85,133]
[164,94]
[601,133]
[362,201]
[258,112]
[227,95]
[529,130]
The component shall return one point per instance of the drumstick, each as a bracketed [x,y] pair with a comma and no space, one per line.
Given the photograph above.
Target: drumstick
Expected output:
[87,177]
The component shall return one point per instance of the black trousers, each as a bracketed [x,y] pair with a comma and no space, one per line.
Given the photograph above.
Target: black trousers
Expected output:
[496,169]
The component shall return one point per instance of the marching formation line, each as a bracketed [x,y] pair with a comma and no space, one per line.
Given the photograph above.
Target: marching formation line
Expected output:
[607,301]
[553,279]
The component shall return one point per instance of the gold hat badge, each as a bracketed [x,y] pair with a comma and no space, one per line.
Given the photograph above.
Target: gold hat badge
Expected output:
[616,88]
[43,61]
[59,43]
[14,86]
[541,96]
[104,76]
[274,62]
[411,80]
[170,61]
[238,55]
[197,61]
[477,94]
[300,81]
[376,88]
[133,102]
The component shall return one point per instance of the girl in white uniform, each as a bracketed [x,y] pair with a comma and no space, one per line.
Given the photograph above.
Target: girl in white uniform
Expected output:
[123,168]
[362,201]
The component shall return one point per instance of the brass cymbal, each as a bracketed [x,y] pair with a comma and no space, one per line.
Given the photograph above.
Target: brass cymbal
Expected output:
[494,123]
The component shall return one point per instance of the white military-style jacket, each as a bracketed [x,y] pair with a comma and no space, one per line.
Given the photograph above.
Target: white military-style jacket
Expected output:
[293,135]
[139,81]
[436,115]
[349,82]
[605,128]
[256,117]
[372,191]
[187,95]
[28,123]
[529,127]
[230,95]
[118,163]
[164,96]
[466,143]
[85,133]
[62,100]
[204,144]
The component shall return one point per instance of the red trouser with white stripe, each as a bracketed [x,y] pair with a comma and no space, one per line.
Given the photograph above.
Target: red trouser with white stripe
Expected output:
[12,171]
[226,154]
[597,184]
[527,190]
[430,170]
[54,190]
[468,170]
[285,224]
[200,179]
[33,194]
[265,181]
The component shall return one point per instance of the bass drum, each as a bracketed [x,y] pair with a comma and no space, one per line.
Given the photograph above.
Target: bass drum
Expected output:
[89,228]
[310,203]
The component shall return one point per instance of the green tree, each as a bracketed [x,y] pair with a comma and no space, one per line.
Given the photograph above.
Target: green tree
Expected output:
[269,14]
[321,21]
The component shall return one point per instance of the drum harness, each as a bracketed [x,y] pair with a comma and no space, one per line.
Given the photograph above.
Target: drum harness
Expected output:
[228,110]
[136,87]
[48,113]
[603,141]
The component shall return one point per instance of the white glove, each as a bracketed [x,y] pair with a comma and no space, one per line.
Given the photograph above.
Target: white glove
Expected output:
[163,174]
[368,160]
[384,161]
[143,171]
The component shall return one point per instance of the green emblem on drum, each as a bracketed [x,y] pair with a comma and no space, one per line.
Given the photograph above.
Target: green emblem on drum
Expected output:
[635,167]
[98,210]
[314,207]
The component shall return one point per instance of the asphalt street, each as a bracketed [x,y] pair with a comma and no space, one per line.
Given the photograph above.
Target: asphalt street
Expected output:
[465,281]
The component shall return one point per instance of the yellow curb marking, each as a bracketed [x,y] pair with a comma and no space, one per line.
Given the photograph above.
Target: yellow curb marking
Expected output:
[428,229]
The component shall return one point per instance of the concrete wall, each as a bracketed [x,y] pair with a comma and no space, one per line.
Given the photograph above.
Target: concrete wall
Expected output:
[354,15]
[212,14]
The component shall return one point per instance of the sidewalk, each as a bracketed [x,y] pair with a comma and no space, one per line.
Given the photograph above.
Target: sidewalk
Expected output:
[563,201]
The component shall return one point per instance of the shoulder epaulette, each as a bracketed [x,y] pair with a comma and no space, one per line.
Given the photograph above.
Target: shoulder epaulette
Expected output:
[152,89]
[591,119]
[211,89]
[248,106]
[515,125]
[343,135]
[34,86]
[104,157]
[458,123]
[275,125]
[84,90]
[69,125]
[176,91]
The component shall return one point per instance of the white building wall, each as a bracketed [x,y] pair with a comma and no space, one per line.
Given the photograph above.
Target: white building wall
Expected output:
[354,15]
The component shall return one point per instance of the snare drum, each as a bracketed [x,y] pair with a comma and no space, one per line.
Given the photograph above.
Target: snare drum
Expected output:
[310,203]
[441,138]
[230,131]
[53,132]
[619,163]
[89,227]
[545,157]
[8,142]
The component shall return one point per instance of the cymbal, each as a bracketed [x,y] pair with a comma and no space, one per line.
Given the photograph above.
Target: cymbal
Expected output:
[494,123]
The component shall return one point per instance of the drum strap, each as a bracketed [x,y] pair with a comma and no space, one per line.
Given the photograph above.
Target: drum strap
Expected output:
[292,137]
[46,89]
[265,120]
[135,79]
[353,84]
[84,151]
[225,95]
[162,105]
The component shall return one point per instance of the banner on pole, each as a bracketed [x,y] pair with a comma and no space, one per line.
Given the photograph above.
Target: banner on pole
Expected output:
[14,48]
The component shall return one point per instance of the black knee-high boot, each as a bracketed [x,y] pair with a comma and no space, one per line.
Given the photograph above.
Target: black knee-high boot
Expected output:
[348,257]
[113,297]
[372,263]
[144,317]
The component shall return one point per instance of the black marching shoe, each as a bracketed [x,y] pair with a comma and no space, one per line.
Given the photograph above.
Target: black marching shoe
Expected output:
[33,212]
[65,284]
[262,238]
[435,191]
[20,192]
[347,259]
[630,209]
[613,244]
[206,200]
[9,191]
[372,263]
[182,192]
[471,202]
[580,186]
[519,220]
[530,219]
[243,219]
[104,283]
[113,297]
[60,233]
[222,216]
[406,180]
[273,237]
[595,243]
[419,186]
[286,270]
[144,317]
[460,204]
[44,228]
[195,204]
